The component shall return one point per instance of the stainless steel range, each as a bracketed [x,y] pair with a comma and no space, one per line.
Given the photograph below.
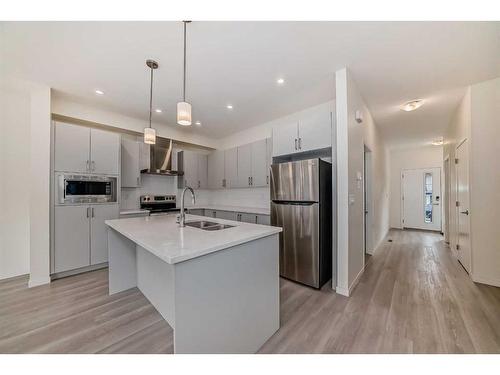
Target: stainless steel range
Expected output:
[159,204]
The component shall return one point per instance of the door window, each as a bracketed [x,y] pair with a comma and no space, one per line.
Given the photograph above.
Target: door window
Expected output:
[428,197]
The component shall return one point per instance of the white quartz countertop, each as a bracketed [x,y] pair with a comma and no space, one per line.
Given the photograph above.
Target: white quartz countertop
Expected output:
[163,237]
[249,210]
[134,211]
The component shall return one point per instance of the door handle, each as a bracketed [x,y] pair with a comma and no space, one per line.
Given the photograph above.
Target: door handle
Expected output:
[466,212]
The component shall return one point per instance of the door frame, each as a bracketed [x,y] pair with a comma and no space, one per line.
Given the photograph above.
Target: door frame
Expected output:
[457,208]
[367,217]
[446,199]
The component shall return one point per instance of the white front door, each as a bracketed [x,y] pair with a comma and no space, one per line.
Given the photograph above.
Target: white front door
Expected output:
[463,218]
[421,198]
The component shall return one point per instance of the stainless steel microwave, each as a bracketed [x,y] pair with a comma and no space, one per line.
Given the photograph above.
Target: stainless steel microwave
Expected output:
[81,189]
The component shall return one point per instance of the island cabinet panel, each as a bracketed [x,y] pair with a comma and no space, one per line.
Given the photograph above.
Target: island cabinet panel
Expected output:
[72,237]
[216,170]
[104,152]
[72,148]
[244,166]
[231,167]
[98,231]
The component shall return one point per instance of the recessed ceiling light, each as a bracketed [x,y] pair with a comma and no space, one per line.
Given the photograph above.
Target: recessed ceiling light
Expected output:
[280,81]
[198,123]
[229,106]
[158,110]
[412,105]
[99,92]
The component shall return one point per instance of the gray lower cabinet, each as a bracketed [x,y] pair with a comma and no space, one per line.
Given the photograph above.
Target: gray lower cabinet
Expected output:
[264,219]
[226,215]
[72,237]
[99,231]
[81,235]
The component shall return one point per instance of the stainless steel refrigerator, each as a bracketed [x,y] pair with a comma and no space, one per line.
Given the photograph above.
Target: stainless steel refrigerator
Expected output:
[301,203]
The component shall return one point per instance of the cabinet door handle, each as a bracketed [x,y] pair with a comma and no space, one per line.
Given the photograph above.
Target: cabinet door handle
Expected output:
[267,180]
[248,181]
[256,219]
[295,143]
[87,165]
[198,184]
[223,182]
[88,214]
[300,143]
[93,166]
[92,211]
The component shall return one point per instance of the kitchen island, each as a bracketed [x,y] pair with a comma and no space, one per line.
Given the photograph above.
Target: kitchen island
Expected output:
[217,289]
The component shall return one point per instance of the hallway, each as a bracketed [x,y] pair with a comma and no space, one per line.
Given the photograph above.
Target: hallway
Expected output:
[413,298]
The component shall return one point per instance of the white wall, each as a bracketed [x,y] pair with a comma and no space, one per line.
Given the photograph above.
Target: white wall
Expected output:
[409,158]
[14,183]
[485,181]
[29,108]
[476,119]
[351,139]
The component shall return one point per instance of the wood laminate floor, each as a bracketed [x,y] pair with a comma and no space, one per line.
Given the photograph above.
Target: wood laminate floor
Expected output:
[414,297]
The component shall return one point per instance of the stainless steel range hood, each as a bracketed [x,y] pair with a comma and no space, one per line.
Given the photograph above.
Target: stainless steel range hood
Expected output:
[160,158]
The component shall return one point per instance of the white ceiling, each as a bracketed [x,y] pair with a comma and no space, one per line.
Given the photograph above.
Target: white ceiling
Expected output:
[238,63]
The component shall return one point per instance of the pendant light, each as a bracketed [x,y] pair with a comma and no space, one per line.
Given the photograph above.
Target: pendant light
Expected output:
[184,108]
[149,132]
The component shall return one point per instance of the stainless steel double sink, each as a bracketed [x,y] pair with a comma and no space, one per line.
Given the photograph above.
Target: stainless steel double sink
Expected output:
[207,225]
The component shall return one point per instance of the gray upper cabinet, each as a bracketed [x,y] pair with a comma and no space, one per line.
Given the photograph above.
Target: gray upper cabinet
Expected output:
[98,231]
[72,148]
[194,165]
[231,167]
[130,164]
[244,166]
[81,149]
[216,170]
[71,237]
[104,151]
[259,163]
[202,171]
[308,130]
[269,159]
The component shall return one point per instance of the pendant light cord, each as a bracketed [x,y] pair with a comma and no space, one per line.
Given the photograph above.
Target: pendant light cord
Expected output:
[151,97]
[184,83]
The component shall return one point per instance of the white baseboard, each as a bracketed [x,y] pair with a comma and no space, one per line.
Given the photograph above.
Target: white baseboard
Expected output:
[382,239]
[356,281]
[486,280]
[37,282]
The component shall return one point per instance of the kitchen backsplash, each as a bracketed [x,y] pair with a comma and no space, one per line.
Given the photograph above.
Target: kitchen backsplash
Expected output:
[151,184]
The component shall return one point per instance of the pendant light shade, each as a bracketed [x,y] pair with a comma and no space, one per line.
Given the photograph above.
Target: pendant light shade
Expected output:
[149,132]
[184,113]
[149,136]
[184,108]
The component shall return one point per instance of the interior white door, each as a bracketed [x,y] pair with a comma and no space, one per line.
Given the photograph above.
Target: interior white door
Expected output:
[463,218]
[72,148]
[421,198]
[99,232]
[104,151]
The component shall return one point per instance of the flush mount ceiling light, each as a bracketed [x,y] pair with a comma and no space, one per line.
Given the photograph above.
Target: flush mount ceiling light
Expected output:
[412,105]
[229,106]
[99,92]
[149,132]
[184,108]
[280,81]
[158,110]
